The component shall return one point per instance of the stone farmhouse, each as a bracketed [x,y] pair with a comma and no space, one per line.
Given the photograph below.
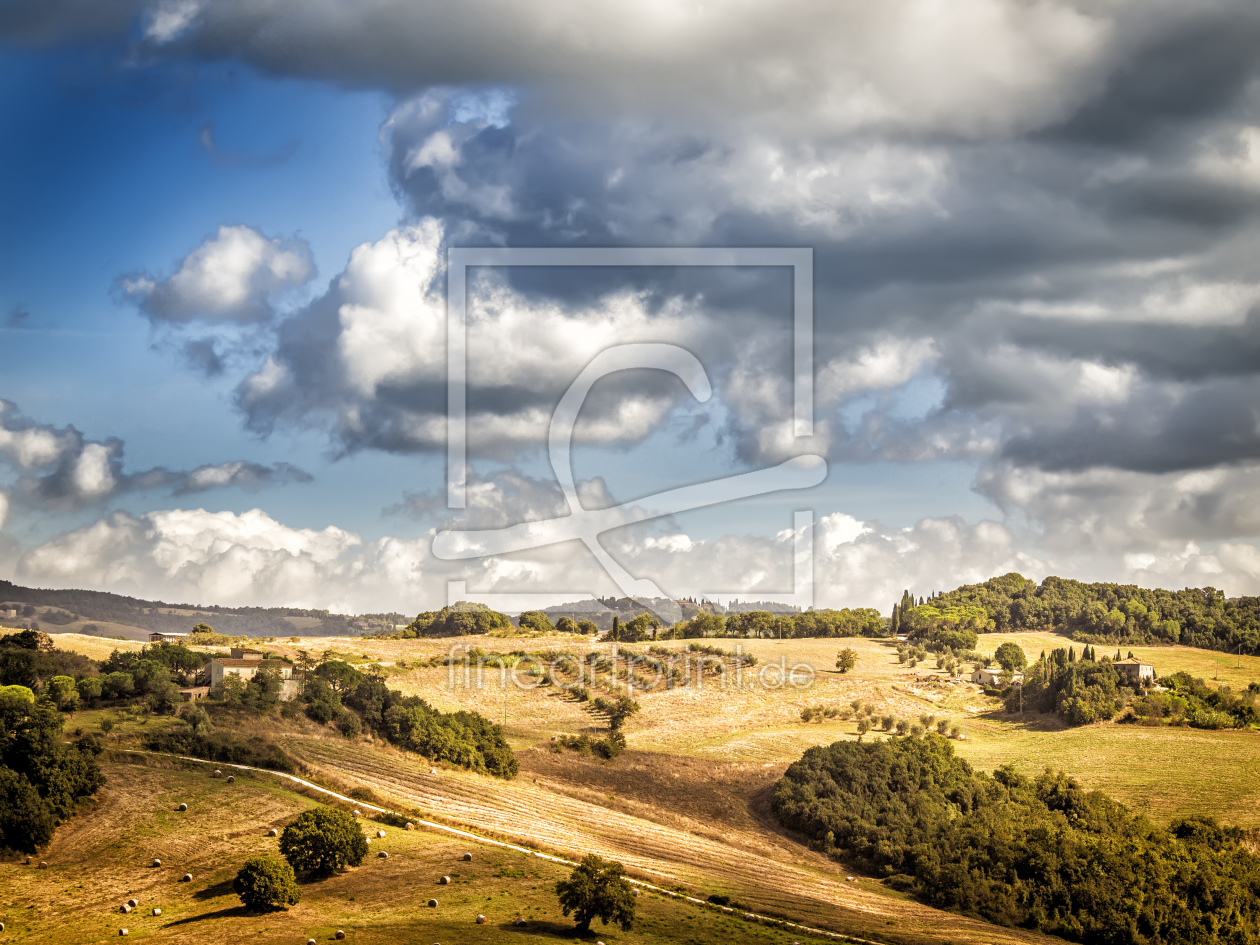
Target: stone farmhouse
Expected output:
[1135,669]
[246,666]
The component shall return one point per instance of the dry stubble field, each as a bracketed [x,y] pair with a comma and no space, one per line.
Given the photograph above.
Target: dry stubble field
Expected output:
[689,804]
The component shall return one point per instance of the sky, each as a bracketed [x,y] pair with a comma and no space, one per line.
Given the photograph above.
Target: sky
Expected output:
[224,237]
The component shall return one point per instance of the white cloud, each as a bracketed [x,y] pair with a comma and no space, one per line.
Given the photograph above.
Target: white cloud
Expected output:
[233,276]
[968,67]
[4,509]
[170,18]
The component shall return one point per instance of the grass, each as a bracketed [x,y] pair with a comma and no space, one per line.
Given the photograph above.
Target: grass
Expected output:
[103,858]
[688,804]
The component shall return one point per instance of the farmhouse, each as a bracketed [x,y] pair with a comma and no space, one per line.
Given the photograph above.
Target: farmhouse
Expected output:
[222,666]
[157,637]
[1135,669]
[993,677]
[243,653]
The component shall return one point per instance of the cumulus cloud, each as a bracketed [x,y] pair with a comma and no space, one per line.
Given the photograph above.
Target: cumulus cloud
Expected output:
[234,276]
[59,468]
[368,359]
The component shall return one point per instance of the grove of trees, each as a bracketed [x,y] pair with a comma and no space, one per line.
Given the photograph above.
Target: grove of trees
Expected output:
[1040,853]
[1099,612]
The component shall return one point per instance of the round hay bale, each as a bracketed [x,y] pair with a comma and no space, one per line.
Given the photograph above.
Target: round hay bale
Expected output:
[125,909]
[433,771]
[217,774]
[727,910]
[380,834]
[43,864]
[467,857]
[124,931]
[384,855]
[358,813]
[340,935]
[273,832]
[637,894]
[310,941]
[157,862]
[519,920]
[186,878]
[750,917]
[410,826]
[157,911]
[432,903]
[848,879]
[481,920]
[369,840]
[182,807]
[133,902]
[27,861]
[444,881]
[231,779]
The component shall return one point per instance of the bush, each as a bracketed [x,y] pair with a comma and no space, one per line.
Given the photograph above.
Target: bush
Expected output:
[348,724]
[597,890]
[322,841]
[227,747]
[265,882]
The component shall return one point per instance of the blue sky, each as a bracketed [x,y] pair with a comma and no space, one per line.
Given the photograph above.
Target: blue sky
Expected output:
[222,327]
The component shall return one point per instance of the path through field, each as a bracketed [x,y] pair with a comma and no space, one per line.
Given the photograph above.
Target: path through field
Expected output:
[671,840]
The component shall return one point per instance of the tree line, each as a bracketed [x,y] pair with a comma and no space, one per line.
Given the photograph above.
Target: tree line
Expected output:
[1092,613]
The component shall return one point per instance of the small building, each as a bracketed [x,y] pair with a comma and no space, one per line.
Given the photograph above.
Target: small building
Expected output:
[1135,669]
[994,677]
[221,666]
[193,693]
[8,613]
[156,637]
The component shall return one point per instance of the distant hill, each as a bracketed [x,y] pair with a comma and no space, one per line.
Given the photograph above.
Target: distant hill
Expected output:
[115,615]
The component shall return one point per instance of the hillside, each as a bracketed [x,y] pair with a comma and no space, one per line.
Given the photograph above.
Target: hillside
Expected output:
[1095,613]
[101,613]
[687,806]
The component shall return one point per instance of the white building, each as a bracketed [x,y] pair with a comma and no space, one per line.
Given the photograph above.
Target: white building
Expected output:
[993,677]
[246,668]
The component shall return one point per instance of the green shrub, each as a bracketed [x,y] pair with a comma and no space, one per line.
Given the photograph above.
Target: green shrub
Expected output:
[265,882]
[322,841]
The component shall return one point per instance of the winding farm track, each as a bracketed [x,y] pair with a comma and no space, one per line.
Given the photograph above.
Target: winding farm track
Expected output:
[770,873]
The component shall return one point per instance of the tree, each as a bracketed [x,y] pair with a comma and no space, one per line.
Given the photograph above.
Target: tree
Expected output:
[265,882]
[597,890]
[203,628]
[340,675]
[322,841]
[61,692]
[846,659]
[1010,657]
[536,621]
[26,824]
[196,717]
